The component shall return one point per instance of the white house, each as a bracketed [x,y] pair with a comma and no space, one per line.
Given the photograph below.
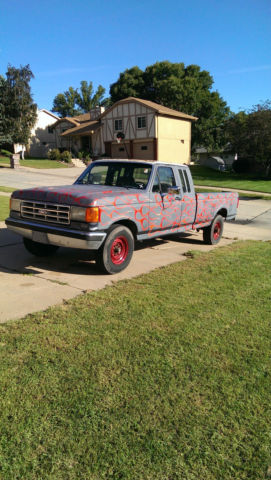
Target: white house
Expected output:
[42,135]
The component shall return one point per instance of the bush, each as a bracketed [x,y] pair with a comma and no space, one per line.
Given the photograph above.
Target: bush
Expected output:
[5,153]
[66,156]
[242,165]
[54,154]
[87,159]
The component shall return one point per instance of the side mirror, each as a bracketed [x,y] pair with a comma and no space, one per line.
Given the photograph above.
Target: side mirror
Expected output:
[174,190]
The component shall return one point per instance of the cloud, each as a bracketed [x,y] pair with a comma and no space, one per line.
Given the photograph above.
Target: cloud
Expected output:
[259,68]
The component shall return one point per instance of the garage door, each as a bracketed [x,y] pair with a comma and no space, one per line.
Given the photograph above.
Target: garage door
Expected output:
[119,150]
[144,150]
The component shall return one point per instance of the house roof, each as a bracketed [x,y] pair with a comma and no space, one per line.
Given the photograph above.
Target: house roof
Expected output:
[49,113]
[66,119]
[83,129]
[76,121]
[160,109]
[85,117]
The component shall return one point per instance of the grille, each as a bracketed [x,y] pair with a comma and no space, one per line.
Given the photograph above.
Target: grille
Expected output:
[46,212]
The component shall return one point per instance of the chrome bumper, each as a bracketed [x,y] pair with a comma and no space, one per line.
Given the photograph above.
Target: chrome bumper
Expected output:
[55,235]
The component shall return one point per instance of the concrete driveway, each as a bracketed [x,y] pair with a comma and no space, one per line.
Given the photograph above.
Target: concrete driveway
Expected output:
[29,284]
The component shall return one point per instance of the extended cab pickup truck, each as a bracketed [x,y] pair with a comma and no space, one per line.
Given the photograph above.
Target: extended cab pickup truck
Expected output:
[113,204]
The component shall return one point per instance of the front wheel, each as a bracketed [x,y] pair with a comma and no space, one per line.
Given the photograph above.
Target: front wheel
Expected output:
[213,233]
[117,250]
[39,249]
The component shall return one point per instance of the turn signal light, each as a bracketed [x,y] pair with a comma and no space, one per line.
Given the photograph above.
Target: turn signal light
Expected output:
[92,215]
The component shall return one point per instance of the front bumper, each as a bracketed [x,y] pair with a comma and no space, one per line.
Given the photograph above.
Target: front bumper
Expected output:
[55,235]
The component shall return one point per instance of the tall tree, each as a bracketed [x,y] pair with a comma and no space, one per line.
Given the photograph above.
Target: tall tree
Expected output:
[65,103]
[74,102]
[186,89]
[5,136]
[18,111]
[249,134]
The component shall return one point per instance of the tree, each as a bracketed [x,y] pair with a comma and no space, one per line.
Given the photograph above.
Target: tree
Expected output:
[186,89]
[249,134]
[18,112]
[74,102]
[65,103]
[5,137]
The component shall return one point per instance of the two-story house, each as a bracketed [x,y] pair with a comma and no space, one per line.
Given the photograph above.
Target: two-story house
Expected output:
[151,132]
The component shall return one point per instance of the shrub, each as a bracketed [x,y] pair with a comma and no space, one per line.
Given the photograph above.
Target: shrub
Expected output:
[54,154]
[66,156]
[87,159]
[5,153]
[242,165]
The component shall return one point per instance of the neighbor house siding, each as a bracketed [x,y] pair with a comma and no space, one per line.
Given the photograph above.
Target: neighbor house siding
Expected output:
[174,140]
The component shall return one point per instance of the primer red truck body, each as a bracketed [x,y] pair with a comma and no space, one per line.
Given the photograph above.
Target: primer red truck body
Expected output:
[114,203]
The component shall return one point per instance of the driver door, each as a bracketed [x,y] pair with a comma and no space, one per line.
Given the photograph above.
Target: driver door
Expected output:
[165,201]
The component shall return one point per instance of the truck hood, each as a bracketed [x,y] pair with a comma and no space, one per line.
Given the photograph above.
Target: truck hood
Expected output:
[82,195]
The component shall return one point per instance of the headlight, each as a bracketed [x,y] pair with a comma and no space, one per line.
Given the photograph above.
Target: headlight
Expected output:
[15,204]
[89,214]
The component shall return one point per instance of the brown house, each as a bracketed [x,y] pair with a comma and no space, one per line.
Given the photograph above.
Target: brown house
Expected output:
[151,132]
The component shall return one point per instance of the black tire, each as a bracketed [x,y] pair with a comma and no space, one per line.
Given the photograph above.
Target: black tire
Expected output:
[39,249]
[213,233]
[117,250]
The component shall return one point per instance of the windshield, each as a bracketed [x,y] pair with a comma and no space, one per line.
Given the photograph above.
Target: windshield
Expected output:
[117,174]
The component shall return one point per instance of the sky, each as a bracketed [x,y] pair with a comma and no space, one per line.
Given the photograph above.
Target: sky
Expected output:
[67,41]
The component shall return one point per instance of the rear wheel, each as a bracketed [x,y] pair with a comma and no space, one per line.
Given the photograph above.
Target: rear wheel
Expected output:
[39,249]
[213,233]
[117,250]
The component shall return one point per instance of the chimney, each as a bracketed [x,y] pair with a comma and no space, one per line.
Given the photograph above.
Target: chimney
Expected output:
[96,112]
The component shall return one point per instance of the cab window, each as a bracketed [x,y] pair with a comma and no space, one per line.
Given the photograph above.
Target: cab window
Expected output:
[166,178]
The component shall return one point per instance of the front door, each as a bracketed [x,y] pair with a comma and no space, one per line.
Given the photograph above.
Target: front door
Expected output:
[165,208]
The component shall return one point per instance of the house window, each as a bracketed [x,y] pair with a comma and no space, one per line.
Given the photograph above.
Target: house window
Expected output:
[50,130]
[118,124]
[144,147]
[141,122]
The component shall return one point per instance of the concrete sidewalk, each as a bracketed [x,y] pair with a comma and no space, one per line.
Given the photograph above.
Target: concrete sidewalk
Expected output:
[29,284]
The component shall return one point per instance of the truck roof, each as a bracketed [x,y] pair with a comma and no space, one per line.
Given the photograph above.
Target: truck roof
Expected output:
[147,162]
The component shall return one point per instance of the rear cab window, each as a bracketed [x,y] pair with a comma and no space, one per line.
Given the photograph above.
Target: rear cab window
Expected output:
[186,187]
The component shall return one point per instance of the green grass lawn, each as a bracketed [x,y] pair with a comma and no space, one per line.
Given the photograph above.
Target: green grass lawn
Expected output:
[163,377]
[253,196]
[36,163]
[208,176]
[4,212]
[7,189]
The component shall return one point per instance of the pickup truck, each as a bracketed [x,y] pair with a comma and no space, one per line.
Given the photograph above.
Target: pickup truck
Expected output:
[114,203]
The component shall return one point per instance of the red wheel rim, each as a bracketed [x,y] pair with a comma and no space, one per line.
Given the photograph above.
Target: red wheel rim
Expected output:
[217,231]
[119,250]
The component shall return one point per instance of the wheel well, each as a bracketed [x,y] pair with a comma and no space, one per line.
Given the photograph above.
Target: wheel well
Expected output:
[129,224]
[223,212]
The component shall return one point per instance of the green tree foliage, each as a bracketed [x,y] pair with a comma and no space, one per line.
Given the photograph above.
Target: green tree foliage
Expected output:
[65,103]
[5,136]
[75,102]
[18,112]
[249,134]
[186,89]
